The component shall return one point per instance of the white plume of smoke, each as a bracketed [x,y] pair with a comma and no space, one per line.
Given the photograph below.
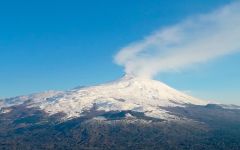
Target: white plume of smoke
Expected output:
[194,40]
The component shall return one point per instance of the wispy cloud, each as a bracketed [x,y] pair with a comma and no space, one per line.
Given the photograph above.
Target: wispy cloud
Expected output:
[194,40]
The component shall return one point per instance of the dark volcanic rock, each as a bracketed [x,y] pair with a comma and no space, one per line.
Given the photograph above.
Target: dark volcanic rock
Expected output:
[207,127]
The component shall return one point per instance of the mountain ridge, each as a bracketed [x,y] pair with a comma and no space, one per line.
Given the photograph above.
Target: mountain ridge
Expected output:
[127,93]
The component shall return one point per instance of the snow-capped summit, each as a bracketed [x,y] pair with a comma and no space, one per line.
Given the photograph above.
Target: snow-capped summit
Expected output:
[128,93]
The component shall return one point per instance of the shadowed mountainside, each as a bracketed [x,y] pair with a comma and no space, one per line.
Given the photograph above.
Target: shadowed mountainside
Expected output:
[199,127]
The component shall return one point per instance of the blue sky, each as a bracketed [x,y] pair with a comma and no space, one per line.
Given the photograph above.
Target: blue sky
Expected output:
[62,44]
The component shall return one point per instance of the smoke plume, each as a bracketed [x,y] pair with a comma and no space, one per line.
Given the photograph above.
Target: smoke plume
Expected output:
[197,39]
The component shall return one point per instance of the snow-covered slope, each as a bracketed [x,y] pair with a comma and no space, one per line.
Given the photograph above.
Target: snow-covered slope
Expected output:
[128,93]
[33,99]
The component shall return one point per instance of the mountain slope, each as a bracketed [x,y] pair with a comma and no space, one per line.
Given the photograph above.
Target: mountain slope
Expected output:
[130,113]
[128,93]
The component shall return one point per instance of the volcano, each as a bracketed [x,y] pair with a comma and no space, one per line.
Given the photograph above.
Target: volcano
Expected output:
[129,113]
[129,93]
